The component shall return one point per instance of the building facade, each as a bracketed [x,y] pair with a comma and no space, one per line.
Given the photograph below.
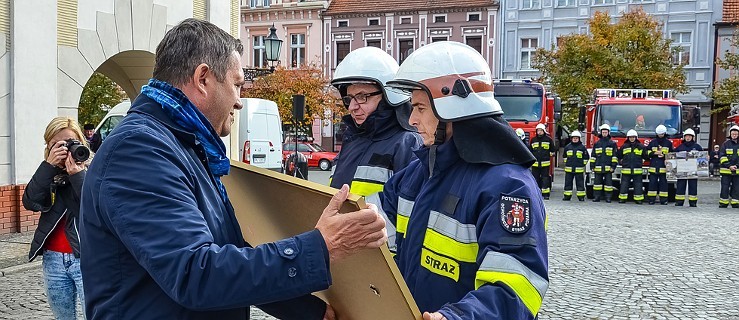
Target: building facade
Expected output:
[725,29]
[50,49]
[401,27]
[529,24]
[298,24]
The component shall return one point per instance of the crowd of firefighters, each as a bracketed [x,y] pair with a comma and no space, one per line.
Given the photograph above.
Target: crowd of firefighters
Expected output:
[632,155]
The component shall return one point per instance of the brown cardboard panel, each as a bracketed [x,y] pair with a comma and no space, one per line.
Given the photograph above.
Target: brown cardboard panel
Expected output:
[271,206]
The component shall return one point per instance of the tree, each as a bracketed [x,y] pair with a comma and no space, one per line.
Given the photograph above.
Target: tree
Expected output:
[98,96]
[726,91]
[308,80]
[631,53]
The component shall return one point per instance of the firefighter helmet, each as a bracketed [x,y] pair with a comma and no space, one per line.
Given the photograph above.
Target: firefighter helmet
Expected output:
[734,127]
[520,133]
[661,129]
[632,133]
[689,132]
[456,78]
[368,65]
[605,126]
[541,126]
[575,134]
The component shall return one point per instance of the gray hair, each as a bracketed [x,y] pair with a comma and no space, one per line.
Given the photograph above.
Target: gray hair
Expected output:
[189,44]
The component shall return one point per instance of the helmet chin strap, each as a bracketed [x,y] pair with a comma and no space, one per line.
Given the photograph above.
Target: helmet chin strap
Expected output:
[439,138]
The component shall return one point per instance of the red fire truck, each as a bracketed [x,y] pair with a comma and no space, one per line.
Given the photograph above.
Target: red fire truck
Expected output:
[639,109]
[526,104]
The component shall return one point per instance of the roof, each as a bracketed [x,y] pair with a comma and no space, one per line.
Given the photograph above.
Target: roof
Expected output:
[731,11]
[377,6]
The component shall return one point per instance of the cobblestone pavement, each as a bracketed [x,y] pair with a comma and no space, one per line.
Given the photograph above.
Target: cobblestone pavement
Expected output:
[607,261]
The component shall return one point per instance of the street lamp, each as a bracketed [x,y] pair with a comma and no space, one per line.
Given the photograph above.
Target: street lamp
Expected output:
[272,45]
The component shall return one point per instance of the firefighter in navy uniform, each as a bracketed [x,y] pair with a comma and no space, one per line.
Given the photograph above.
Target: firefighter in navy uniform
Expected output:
[378,140]
[471,240]
[542,146]
[576,156]
[604,162]
[729,161]
[632,155]
[657,149]
[687,145]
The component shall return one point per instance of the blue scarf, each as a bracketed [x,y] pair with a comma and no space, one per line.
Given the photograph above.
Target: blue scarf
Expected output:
[179,108]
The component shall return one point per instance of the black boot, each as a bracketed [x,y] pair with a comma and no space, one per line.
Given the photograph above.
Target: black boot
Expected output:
[566,198]
[663,203]
[693,203]
[581,198]
[720,205]
[622,201]
[735,205]
[546,196]
[597,199]
[637,201]
[679,203]
[608,199]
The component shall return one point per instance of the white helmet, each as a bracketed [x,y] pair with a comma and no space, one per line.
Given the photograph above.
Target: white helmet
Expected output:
[456,78]
[734,127]
[368,65]
[632,133]
[575,134]
[541,126]
[661,129]
[605,126]
[520,133]
[689,132]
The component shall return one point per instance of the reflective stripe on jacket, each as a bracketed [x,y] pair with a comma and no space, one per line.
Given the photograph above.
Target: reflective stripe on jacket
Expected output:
[729,156]
[656,163]
[604,155]
[576,156]
[632,155]
[452,248]
[543,149]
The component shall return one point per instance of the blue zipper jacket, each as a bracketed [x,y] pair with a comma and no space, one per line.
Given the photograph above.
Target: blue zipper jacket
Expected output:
[372,153]
[471,240]
[159,242]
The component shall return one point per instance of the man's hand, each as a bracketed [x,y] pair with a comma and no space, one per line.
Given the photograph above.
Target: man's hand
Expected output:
[346,234]
[330,313]
[732,168]
[433,316]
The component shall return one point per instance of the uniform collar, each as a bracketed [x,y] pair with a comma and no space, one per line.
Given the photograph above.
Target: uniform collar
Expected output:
[446,156]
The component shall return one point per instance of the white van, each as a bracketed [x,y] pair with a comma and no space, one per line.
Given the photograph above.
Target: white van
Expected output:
[260,134]
[111,120]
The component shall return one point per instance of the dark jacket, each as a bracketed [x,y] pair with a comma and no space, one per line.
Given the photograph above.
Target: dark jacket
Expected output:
[543,149]
[714,157]
[66,201]
[159,241]
[689,146]
[632,156]
[656,163]
[456,223]
[603,157]
[729,156]
[373,152]
[576,156]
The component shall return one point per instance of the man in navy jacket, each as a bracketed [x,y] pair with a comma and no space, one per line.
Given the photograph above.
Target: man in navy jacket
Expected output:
[158,230]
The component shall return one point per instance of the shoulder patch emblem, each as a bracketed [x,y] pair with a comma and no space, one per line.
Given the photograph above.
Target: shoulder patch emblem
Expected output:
[515,213]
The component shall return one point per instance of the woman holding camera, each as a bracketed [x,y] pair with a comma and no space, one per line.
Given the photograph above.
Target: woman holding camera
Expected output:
[54,190]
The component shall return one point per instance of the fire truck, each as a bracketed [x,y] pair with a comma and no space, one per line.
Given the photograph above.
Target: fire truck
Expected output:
[525,104]
[639,109]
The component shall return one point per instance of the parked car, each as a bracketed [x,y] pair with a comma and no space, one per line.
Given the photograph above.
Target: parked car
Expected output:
[112,118]
[317,156]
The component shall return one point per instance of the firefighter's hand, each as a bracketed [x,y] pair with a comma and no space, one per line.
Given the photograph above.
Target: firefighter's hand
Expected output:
[348,233]
[433,316]
[660,155]
[732,168]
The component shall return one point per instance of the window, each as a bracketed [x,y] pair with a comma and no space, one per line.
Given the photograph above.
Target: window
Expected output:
[529,4]
[602,2]
[681,40]
[297,49]
[260,58]
[108,126]
[475,42]
[406,20]
[374,43]
[473,17]
[439,19]
[528,46]
[566,3]
[406,48]
[304,148]
[374,22]
[342,49]
[343,23]
[253,3]
[437,39]
[265,3]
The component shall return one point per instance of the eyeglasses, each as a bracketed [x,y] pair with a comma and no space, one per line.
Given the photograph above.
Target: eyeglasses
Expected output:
[360,98]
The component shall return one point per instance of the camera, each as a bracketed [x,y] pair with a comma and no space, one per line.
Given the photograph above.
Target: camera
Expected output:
[80,153]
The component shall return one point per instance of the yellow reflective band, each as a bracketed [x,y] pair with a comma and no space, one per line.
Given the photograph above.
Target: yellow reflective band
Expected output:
[625,171]
[535,145]
[627,150]
[663,194]
[545,145]
[579,170]
[651,193]
[723,201]
[569,153]
[639,197]
[665,151]
[545,190]
[614,159]
[693,198]
[638,152]
[678,197]
[729,151]
[440,265]
[734,201]
[579,154]
[724,171]
[598,188]
[598,151]
[402,223]
[363,188]
[623,196]
[608,188]
[568,193]
[528,286]
[405,207]
[609,151]
[724,159]
[638,171]
[581,193]
[569,169]
[373,174]
[437,242]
